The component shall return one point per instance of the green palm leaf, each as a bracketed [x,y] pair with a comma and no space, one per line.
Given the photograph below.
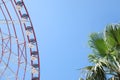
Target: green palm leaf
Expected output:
[106,54]
[112,35]
[98,44]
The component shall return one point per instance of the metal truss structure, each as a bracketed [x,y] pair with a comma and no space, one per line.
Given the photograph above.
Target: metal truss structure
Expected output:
[19,54]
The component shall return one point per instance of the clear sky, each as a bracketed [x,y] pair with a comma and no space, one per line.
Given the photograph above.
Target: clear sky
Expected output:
[63,28]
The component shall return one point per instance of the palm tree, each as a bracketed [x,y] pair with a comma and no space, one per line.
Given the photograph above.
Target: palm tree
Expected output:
[106,55]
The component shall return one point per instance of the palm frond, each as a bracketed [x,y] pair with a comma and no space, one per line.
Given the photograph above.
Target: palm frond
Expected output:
[112,35]
[98,44]
[106,54]
[96,73]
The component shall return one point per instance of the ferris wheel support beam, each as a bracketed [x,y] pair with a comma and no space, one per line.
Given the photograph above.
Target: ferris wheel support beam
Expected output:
[7,28]
[14,6]
[14,32]
[25,25]
[3,40]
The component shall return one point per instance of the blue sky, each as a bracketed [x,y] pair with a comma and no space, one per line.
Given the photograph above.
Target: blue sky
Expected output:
[63,28]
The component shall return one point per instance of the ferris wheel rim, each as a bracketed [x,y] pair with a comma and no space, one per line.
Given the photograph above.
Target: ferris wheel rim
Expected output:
[30,40]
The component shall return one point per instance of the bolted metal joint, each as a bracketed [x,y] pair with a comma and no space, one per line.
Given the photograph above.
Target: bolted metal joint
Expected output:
[29,30]
[34,53]
[31,43]
[35,78]
[19,5]
[35,68]
[24,18]
[35,65]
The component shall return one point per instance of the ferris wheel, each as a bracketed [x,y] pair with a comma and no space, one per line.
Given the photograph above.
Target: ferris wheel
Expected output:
[19,54]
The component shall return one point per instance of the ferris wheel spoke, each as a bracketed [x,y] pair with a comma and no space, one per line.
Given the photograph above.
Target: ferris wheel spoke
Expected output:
[2,21]
[5,64]
[6,1]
